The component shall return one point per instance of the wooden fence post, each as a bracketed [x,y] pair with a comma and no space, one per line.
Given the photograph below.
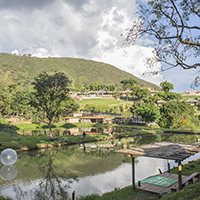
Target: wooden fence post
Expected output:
[73,195]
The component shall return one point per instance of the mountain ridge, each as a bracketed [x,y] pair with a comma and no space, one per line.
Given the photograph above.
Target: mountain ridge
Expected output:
[23,69]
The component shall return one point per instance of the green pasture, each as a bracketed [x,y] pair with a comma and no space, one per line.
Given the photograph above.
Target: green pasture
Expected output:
[102,102]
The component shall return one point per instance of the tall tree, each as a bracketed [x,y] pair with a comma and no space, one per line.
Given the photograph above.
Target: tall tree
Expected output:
[140,93]
[20,104]
[175,25]
[51,92]
[149,112]
[166,86]
[177,114]
[128,83]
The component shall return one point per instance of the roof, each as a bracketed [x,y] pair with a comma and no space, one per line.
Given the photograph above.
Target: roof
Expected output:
[71,118]
[166,150]
[92,117]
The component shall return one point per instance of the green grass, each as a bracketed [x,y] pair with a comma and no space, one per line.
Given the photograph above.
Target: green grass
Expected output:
[102,102]
[5,197]
[124,194]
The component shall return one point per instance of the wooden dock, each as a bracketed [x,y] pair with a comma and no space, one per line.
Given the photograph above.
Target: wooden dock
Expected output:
[160,190]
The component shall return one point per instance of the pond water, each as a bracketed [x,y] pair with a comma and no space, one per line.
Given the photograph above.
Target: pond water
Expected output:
[56,173]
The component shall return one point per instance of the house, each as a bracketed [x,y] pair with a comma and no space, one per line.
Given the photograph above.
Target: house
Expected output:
[192,92]
[192,102]
[72,119]
[93,119]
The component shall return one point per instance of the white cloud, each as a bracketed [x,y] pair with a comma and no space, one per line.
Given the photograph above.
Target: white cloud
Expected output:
[15,52]
[72,28]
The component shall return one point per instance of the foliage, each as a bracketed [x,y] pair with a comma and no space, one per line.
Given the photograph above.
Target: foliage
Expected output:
[177,114]
[51,96]
[139,92]
[175,27]
[5,198]
[149,112]
[166,86]
[96,86]
[20,104]
[128,83]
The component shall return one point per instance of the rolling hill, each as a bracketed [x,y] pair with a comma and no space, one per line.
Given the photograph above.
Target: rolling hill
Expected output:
[23,69]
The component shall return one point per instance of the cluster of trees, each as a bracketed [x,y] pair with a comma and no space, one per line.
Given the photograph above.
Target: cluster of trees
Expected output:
[47,102]
[174,28]
[80,84]
[173,113]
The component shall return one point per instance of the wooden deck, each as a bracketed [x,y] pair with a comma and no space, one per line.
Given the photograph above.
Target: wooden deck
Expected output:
[159,189]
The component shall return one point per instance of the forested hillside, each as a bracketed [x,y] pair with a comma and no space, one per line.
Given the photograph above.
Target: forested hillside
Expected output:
[22,70]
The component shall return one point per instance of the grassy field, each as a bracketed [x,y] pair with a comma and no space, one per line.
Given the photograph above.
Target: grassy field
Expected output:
[103,102]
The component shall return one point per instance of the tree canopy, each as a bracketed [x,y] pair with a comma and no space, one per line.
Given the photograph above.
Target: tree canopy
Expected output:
[175,26]
[128,83]
[177,114]
[148,112]
[51,96]
[166,86]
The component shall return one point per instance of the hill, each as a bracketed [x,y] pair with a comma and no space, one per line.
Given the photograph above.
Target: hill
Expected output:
[22,70]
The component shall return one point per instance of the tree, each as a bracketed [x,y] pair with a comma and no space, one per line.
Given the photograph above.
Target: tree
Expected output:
[149,112]
[20,104]
[4,95]
[51,96]
[140,93]
[177,114]
[166,86]
[96,86]
[128,83]
[175,27]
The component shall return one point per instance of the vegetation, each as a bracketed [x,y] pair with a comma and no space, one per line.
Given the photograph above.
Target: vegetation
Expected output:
[177,114]
[173,24]
[23,69]
[148,112]
[52,98]
[166,86]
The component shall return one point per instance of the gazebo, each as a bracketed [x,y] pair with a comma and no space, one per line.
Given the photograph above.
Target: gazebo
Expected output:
[164,150]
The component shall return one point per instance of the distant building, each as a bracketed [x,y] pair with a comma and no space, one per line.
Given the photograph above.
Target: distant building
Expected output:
[192,102]
[72,119]
[93,119]
[192,92]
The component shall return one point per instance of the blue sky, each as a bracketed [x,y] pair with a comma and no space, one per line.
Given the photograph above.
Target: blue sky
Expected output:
[81,29]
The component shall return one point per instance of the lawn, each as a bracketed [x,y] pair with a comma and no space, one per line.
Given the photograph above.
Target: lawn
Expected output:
[101,102]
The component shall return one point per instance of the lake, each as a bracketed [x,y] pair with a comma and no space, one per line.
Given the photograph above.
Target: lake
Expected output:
[56,173]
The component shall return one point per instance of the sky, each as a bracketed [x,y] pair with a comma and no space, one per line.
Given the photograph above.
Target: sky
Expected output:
[88,29]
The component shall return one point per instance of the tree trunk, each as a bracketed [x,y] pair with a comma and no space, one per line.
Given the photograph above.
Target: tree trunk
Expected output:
[50,132]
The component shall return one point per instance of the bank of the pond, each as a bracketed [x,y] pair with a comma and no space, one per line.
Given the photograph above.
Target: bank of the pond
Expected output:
[191,191]
[28,142]
[20,142]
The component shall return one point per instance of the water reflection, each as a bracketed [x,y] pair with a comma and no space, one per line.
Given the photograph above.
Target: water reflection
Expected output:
[90,130]
[54,174]
[8,172]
